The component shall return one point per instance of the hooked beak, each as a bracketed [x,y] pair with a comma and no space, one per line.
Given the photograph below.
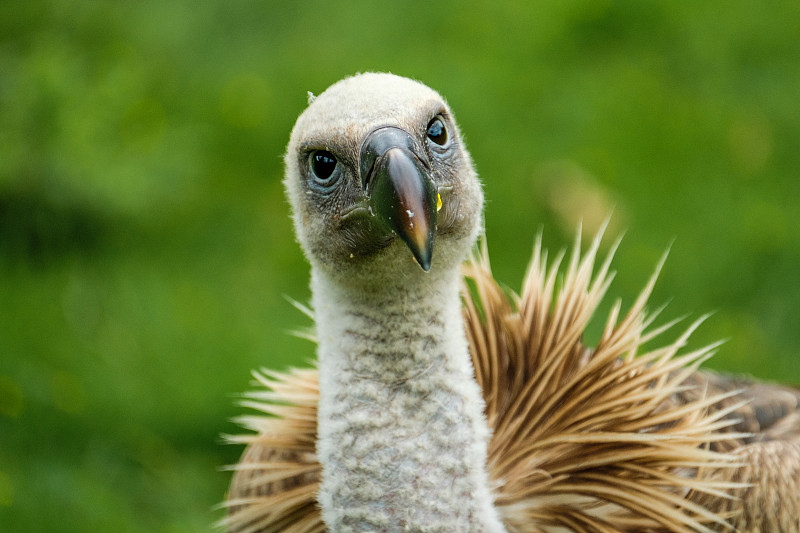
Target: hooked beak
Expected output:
[396,178]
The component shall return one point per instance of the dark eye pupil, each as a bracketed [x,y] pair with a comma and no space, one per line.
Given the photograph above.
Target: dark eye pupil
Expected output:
[436,132]
[323,164]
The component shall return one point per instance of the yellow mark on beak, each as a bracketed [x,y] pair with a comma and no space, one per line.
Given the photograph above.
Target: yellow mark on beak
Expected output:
[438,202]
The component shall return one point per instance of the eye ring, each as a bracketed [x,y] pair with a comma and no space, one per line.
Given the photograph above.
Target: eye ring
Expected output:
[323,171]
[437,133]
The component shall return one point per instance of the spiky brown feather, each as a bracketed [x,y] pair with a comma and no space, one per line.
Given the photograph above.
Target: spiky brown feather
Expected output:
[589,440]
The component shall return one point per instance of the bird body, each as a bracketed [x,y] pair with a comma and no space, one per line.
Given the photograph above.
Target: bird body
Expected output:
[428,415]
[392,351]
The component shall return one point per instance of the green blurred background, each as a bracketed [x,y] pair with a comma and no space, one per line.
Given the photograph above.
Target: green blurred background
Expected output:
[145,244]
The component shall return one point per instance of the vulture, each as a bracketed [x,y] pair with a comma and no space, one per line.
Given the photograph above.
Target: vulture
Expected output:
[441,401]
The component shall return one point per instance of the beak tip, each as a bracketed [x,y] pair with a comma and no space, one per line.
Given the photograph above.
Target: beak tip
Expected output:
[425,263]
[421,246]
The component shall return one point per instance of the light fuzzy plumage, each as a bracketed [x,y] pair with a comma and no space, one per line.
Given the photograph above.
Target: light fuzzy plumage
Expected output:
[602,439]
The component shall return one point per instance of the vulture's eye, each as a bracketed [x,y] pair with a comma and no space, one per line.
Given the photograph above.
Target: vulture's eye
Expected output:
[324,171]
[436,132]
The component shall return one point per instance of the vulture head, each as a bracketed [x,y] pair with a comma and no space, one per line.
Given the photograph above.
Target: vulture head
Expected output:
[380,182]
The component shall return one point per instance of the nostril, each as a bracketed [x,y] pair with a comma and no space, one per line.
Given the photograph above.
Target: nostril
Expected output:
[366,178]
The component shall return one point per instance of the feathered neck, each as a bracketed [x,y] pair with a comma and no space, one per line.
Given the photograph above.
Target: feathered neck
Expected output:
[402,436]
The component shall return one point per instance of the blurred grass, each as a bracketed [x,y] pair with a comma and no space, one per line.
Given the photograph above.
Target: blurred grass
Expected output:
[145,244]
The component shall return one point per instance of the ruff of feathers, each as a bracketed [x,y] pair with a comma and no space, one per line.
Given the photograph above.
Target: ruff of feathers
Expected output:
[586,439]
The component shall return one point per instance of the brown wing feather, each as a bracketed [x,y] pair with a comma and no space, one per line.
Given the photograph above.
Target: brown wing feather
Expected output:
[771,411]
[588,439]
[769,498]
[274,486]
[604,439]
